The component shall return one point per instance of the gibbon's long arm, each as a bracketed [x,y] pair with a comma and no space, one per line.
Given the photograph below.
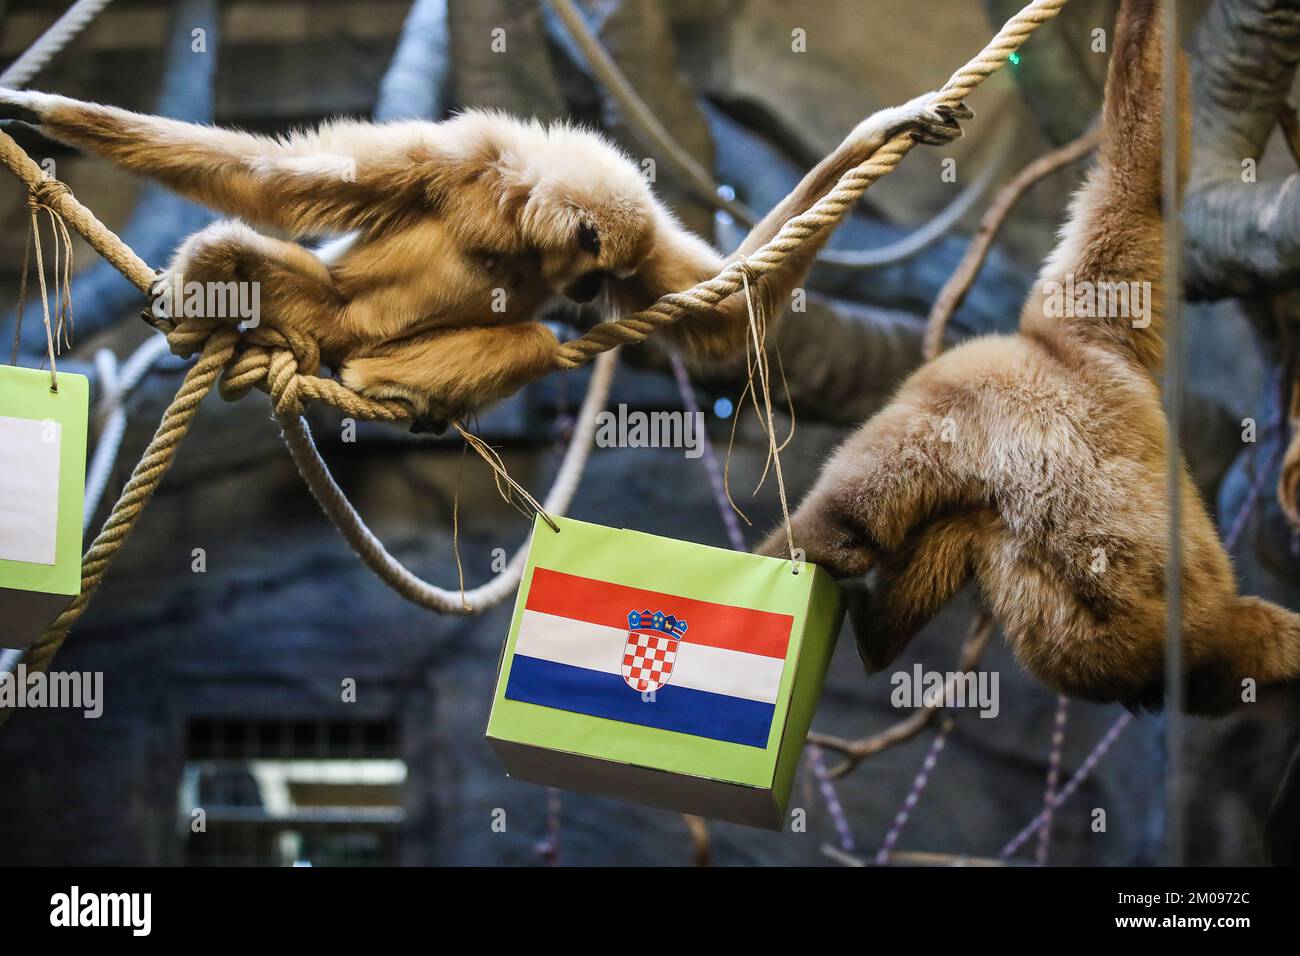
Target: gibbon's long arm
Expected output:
[680,260]
[1115,239]
[343,176]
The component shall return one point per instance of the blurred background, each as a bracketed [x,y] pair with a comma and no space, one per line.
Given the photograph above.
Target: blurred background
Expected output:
[227,624]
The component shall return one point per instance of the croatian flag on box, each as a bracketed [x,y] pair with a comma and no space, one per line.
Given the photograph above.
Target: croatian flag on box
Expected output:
[662,671]
[714,670]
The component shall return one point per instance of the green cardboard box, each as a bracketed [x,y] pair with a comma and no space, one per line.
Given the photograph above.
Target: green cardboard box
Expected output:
[662,672]
[42,484]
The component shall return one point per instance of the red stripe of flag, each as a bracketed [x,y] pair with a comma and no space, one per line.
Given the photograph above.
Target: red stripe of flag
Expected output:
[715,625]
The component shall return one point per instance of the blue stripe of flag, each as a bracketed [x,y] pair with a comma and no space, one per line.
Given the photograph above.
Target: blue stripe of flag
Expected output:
[682,709]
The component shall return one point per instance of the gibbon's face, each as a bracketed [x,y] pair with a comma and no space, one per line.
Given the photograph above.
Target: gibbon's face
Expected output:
[591,217]
[587,246]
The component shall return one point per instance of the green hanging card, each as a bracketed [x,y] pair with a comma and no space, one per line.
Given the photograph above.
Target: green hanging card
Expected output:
[42,487]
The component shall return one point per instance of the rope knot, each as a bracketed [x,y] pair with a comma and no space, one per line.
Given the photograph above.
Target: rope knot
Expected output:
[282,383]
[189,334]
[48,192]
[266,356]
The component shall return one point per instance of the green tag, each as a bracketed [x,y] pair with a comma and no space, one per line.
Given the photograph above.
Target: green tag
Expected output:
[42,487]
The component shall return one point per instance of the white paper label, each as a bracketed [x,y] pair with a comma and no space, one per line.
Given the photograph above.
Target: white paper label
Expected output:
[29,489]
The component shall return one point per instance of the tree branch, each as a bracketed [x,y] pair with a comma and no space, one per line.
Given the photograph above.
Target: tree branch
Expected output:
[954,291]
[856,751]
[518,77]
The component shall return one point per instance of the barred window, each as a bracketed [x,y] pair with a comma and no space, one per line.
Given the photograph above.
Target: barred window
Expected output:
[291,793]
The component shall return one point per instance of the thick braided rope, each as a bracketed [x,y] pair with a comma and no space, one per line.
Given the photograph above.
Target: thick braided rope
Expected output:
[283,364]
[139,489]
[825,214]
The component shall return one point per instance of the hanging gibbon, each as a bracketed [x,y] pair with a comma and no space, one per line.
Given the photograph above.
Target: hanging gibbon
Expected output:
[449,237]
[1036,463]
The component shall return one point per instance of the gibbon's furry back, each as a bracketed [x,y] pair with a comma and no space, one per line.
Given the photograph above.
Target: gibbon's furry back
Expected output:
[1036,462]
[450,238]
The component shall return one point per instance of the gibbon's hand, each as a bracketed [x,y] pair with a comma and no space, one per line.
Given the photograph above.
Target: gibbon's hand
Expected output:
[939,125]
[926,122]
[859,604]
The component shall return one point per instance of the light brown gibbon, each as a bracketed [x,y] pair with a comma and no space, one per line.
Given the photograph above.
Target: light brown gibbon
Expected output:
[449,237]
[1036,463]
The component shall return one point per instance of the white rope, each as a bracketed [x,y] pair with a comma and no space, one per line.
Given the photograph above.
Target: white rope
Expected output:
[115,386]
[314,471]
[60,34]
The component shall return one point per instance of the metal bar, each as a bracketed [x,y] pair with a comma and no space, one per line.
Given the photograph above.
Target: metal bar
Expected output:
[1175,845]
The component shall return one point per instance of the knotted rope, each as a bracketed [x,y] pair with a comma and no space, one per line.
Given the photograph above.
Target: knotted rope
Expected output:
[58,331]
[284,364]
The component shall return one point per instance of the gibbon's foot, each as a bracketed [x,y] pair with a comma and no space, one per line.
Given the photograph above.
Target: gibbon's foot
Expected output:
[448,373]
[426,416]
[221,251]
[926,122]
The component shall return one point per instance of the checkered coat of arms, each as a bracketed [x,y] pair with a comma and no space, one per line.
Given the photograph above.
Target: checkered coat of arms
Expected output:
[651,649]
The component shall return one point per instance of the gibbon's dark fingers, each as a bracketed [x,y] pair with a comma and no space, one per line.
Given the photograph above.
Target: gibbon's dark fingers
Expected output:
[933,124]
[943,127]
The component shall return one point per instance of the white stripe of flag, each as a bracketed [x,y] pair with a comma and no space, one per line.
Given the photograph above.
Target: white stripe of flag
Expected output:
[595,647]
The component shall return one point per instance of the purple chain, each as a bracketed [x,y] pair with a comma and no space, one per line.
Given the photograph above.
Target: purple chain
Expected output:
[1053,776]
[827,786]
[1071,785]
[913,795]
[737,538]
[1247,506]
